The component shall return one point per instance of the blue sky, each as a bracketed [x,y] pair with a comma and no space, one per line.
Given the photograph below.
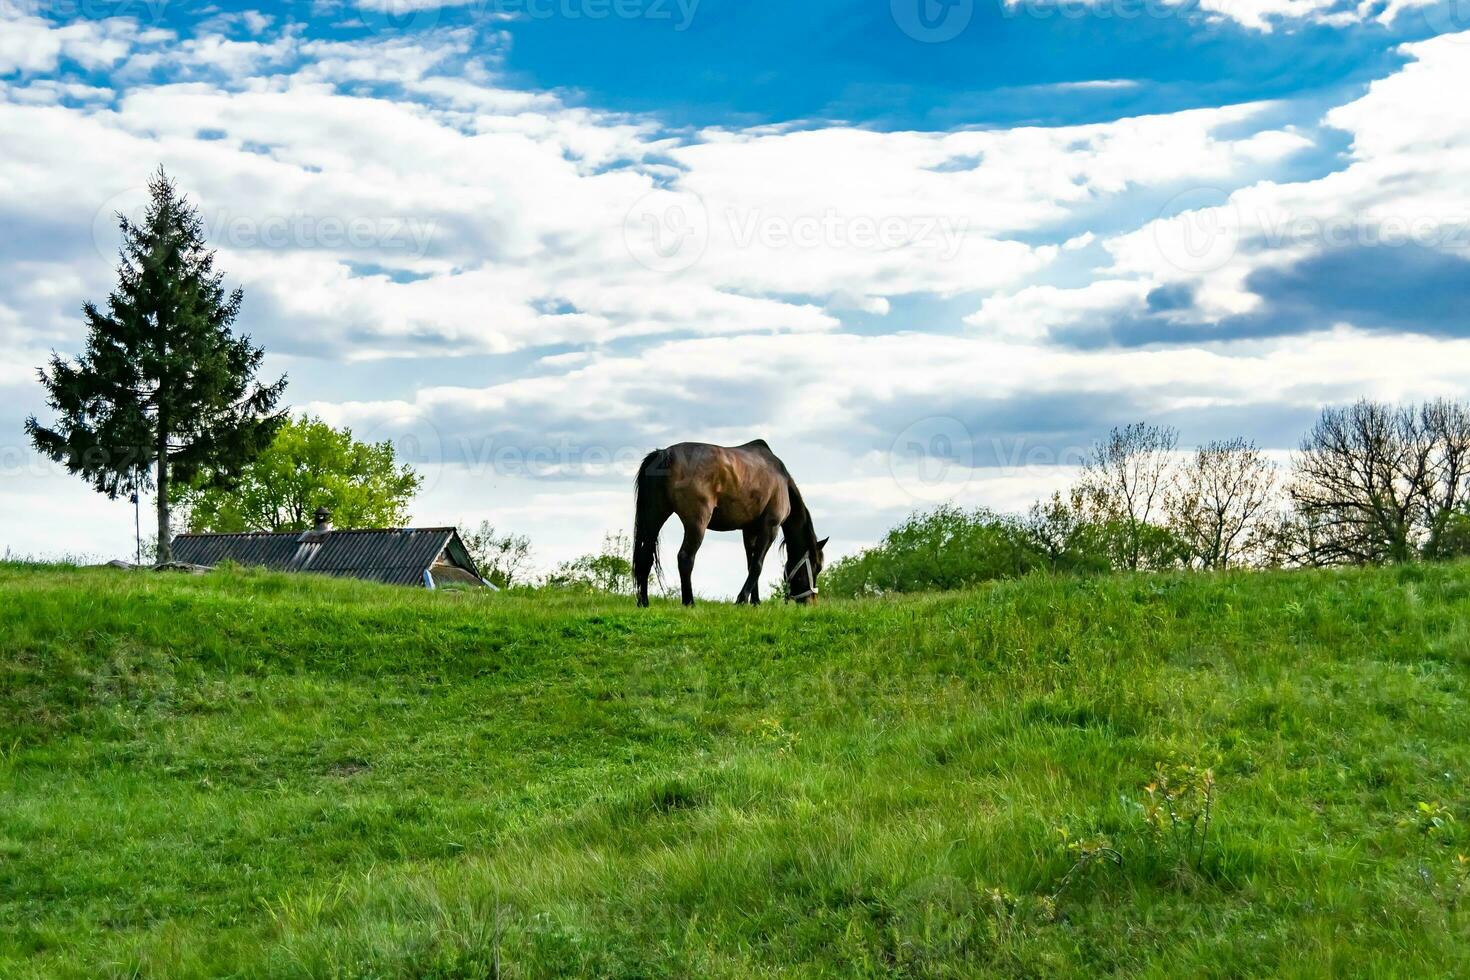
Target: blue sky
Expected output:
[531,239]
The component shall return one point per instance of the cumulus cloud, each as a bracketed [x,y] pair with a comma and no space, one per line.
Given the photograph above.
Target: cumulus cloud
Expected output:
[30,44]
[449,212]
[1380,243]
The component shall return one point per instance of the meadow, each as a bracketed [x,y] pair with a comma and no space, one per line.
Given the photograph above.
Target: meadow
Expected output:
[1184,775]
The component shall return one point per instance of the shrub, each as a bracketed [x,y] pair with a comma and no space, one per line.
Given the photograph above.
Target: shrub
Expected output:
[609,571]
[1066,539]
[946,548]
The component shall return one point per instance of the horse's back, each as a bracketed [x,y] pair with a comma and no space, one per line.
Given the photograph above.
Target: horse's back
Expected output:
[705,452]
[738,482]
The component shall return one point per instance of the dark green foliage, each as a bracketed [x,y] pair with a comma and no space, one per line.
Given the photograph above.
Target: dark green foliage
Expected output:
[254,775]
[950,548]
[946,548]
[1068,540]
[1073,536]
[1153,547]
[163,382]
[1454,538]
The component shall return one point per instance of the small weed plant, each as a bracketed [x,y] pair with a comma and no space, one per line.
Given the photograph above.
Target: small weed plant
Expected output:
[1087,854]
[1177,807]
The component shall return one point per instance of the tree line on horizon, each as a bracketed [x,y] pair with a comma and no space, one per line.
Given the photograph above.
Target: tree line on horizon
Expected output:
[1371,483]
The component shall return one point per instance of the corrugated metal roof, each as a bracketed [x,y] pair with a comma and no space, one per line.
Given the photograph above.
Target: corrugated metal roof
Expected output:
[397,556]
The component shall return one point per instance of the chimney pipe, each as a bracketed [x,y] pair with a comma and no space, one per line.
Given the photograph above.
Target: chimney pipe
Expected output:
[323,518]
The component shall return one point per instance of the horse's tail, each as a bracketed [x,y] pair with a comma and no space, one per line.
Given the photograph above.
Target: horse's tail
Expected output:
[650,510]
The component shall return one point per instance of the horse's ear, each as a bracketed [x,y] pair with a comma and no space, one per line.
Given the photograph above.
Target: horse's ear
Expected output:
[822,543]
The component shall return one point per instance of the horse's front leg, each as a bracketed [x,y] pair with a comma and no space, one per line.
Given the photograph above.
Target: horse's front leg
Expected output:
[693,538]
[747,591]
[757,543]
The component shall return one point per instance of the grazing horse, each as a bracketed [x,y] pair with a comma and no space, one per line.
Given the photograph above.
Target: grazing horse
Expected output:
[724,488]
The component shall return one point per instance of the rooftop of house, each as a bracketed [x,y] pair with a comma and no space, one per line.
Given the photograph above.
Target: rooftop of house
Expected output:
[397,556]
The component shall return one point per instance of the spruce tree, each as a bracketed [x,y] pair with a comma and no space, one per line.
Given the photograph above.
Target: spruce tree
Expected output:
[164,391]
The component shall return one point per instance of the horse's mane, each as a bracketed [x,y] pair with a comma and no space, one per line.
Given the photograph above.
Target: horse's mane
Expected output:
[799,524]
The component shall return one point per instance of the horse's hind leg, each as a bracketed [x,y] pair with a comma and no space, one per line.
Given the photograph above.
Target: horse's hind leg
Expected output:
[645,553]
[693,538]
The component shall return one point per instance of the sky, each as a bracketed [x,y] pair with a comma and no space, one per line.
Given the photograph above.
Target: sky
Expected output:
[928,249]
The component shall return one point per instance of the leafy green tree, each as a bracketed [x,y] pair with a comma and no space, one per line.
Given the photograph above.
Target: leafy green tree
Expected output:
[310,464]
[164,391]
[1060,531]
[501,557]
[1454,541]
[610,570]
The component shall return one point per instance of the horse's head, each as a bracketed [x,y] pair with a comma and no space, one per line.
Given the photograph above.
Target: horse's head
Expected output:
[802,568]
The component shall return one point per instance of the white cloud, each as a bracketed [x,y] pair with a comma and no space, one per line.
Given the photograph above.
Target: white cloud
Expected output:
[512,208]
[31,45]
[829,382]
[1405,183]
[1031,313]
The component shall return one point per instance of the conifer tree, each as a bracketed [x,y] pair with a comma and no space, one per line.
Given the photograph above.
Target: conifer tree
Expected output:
[164,390]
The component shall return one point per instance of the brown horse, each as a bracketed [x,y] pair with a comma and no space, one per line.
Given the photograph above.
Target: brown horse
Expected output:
[724,488]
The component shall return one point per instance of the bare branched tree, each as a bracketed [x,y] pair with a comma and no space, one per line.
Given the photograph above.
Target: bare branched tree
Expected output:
[501,557]
[1219,500]
[1446,425]
[1379,483]
[1125,481]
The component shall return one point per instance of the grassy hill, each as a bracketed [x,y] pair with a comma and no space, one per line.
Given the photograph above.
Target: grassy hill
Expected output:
[245,774]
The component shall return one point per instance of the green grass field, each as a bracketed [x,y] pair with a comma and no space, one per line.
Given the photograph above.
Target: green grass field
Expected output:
[249,775]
